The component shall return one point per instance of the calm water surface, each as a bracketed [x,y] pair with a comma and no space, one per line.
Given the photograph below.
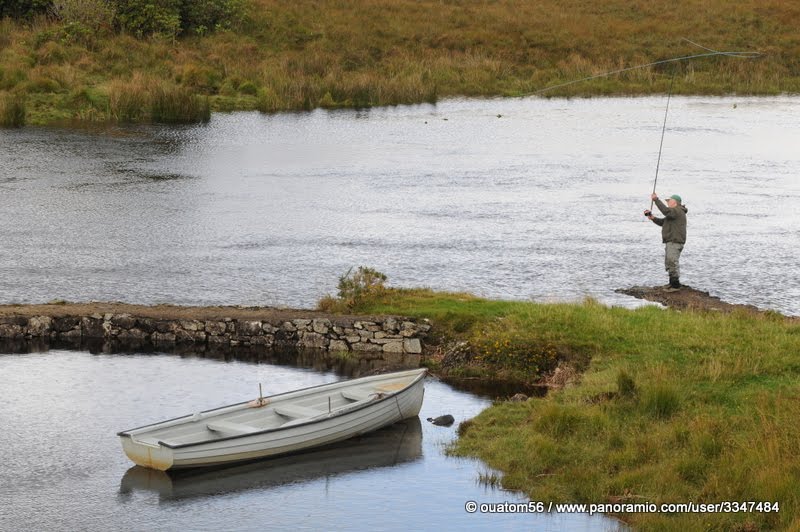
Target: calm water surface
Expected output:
[542,202]
[64,469]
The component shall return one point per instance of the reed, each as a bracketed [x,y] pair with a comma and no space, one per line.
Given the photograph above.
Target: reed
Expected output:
[176,105]
[12,110]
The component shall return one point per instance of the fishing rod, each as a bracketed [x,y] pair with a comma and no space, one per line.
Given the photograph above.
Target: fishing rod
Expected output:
[663,129]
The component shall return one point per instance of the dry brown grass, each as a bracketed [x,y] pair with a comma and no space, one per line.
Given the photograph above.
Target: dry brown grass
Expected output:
[308,53]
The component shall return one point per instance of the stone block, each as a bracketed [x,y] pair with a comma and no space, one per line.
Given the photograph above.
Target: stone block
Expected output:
[66,323]
[215,328]
[312,339]
[92,327]
[412,346]
[338,345]
[352,339]
[393,347]
[250,328]
[146,325]
[39,326]
[73,334]
[390,325]
[11,330]
[131,334]
[288,326]
[321,326]
[365,347]
[163,338]
[192,325]
[301,324]
[261,340]
[123,321]
[165,326]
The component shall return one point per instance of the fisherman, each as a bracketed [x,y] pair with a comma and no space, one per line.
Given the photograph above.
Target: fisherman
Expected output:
[673,234]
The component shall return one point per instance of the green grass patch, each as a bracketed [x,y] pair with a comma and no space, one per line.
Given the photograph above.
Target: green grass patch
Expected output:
[671,406]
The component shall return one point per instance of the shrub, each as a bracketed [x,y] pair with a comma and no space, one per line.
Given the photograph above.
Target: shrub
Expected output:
[83,15]
[24,9]
[148,17]
[512,352]
[356,286]
[12,110]
[174,17]
[204,16]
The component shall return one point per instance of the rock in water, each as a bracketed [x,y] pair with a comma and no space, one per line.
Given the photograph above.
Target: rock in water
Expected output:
[444,421]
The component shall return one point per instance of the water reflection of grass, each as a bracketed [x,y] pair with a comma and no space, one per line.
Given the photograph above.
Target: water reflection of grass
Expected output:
[307,54]
[672,407]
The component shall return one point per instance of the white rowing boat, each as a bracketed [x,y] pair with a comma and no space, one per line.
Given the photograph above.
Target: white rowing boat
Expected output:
[279,424]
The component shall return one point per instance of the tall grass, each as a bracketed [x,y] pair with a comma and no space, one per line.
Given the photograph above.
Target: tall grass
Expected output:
[12,110]
[306,54]
[170,104]
[144,98]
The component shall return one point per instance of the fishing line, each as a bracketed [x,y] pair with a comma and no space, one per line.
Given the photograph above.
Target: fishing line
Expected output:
[710,53]
[663,129]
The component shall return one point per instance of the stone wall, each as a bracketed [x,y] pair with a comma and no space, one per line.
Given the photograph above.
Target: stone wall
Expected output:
[392,339]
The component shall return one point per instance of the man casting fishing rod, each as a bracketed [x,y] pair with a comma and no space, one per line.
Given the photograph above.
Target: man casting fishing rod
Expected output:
[673,234]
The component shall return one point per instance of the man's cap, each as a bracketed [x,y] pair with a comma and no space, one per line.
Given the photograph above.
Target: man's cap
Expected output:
[676,198]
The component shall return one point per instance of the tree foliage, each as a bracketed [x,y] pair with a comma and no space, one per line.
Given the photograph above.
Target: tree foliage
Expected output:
[142,18]
[176,17]
[24,9]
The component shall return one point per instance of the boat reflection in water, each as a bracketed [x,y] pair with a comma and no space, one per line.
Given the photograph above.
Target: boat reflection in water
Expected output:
[396,444]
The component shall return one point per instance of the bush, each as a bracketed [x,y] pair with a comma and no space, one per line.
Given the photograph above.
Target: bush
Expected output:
[83,15]
[24,9]
[174,17]
[148,17]
[502,350]
[355,287]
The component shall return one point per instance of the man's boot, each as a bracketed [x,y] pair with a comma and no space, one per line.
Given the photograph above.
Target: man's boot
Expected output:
[674,284]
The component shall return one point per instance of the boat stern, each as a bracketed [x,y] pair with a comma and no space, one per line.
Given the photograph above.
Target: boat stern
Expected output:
[152,455]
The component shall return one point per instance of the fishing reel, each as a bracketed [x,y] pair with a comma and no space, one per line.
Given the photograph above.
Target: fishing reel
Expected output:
[648,213]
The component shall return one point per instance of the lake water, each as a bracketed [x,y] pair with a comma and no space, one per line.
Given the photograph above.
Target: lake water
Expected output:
[63,466]
[512,198]
[515,198]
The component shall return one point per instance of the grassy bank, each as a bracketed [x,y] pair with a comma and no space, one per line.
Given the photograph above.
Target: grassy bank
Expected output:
[307,54]
[671,406]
